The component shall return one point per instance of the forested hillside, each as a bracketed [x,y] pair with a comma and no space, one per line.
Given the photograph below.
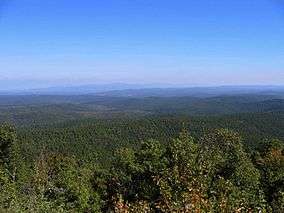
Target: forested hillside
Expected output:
[102,136]
[45,109]
[150,154]
[210,173]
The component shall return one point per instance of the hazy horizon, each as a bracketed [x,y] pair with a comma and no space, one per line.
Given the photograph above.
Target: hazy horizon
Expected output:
[38,85]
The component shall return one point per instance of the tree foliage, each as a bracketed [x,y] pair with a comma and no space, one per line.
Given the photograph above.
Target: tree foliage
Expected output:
[209,173]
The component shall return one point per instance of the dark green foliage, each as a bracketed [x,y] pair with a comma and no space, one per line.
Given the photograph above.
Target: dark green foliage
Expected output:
[230,165]
[102,137]
[270,161]
[63,182]
[34,110]
[7,148]
[150,164]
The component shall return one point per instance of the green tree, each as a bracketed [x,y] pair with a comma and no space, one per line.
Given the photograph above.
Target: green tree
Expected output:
[234,181]
[7,149]
[271,164]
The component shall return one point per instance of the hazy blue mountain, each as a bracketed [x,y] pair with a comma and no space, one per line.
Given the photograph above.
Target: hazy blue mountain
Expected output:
[73,90]
[134,90]
[197,91]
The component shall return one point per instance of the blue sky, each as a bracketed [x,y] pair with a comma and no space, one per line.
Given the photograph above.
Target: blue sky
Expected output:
[179,42]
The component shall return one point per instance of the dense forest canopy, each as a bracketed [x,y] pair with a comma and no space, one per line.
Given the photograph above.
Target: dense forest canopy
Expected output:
[147,154]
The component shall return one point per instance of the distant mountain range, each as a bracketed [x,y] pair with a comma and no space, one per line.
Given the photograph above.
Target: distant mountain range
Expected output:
[196,91]
[75,90]
[58,104]
[134,90]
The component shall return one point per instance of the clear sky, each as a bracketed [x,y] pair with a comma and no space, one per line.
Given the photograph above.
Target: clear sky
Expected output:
[188,42]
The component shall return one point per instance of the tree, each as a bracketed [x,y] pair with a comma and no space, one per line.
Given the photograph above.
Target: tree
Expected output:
[7,148]
[234,181]
[271,164]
